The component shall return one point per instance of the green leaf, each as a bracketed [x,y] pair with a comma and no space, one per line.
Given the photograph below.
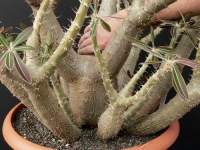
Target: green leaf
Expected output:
[23,36]
[9,62]
[146,48]
[178,82]
[174,37]
[4,41]
[22,69]
[23,48]
[105,25]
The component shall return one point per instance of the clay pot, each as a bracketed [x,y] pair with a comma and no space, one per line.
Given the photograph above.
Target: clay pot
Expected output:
[17,142]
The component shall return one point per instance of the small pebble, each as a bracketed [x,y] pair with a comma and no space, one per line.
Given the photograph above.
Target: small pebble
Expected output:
[30,128]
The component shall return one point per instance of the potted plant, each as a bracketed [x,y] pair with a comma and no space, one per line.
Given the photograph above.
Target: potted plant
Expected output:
[65,90]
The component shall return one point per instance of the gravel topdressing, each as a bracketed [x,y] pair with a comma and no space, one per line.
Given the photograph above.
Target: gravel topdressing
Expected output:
[30,128]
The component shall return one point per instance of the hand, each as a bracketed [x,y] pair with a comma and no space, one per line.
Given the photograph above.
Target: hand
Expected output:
[103,36]
[191,7]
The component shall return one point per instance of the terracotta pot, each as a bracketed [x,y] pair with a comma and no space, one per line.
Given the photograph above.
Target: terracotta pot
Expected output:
[17,142]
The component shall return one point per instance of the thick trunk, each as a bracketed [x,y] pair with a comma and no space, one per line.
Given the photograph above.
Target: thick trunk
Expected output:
[46,104]
[87,99]
[174,110]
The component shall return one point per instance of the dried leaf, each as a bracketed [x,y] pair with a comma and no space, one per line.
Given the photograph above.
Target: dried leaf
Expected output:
[179,82]
[105,25]
[22,69]
[23,36]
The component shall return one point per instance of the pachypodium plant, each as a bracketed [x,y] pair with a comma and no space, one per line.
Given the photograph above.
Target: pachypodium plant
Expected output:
[66,90]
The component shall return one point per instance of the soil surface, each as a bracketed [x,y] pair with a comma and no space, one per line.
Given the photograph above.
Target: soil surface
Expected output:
[30,128]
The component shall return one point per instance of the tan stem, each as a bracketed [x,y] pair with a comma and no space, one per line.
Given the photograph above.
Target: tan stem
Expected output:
[139,17]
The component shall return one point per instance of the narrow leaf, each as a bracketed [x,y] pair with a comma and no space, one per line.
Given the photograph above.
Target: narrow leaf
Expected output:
[174,37]
[23,36]
[23,48]
[147,49]
[166,50]
[2,60]
[4,41]
[153,62]
[22,69]
[183,18]
[187,62]
[168,23]
[105,25]
[9,60]
[178,82]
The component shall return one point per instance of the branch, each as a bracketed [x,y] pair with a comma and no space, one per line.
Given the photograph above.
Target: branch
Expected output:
[15,88]
[110,91]
[69,66]
[34,39]
[114,113]
[66,42]
[139,17]
[62,99]
[108,7]
[158,84]
[172,111]
[127,90]
[45,103]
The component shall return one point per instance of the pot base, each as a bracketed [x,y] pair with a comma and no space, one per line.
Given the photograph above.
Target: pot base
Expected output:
[19,143]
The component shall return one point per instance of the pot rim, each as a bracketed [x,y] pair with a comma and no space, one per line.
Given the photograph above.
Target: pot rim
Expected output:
[10,136]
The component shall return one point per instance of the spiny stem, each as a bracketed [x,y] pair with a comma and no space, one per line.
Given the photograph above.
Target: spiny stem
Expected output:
[62,99]
[172,111]
[45,5]
[34,39]
[127,90]
[111,92]
[66,42]
[142,96]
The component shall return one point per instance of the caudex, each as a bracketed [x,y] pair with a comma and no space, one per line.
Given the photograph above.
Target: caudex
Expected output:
[66,90]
